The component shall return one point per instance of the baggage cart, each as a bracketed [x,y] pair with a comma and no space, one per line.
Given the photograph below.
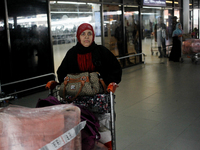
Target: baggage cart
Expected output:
[154,46]
[191,49]
[168,49]
[111,109]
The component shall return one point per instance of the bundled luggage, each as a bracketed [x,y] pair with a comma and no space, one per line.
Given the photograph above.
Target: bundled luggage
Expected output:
[191,46]
[89,134]
[23,128]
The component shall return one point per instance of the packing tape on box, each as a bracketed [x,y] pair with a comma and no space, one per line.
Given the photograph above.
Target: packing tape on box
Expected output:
[65,138]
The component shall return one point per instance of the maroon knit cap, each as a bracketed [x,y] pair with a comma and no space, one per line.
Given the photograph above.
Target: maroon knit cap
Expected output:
[83,27]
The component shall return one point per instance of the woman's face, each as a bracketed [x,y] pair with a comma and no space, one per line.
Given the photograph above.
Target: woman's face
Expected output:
[179,26]
[86,38]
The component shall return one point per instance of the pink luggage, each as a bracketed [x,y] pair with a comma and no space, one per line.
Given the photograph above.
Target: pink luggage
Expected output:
[191,46]
[23,128]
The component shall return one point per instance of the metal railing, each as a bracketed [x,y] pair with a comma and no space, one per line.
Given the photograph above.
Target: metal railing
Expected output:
[132,56]
[20,81]
[28,79]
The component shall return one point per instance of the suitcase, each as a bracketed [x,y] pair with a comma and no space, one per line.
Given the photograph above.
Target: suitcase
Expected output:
[191,46]
[23,128]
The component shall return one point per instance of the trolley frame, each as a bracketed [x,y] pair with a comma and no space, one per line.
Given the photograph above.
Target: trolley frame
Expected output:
[55,93]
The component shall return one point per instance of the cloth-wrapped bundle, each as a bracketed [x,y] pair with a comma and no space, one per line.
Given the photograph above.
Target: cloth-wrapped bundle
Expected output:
[23,128]
[191,46]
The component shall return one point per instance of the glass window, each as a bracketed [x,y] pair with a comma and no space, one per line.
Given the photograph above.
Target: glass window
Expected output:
[4,52]
[65,19]
[196,16]
[84,1]
[131,2]
[153,22]
[30,45]
[132,32]
[121,37]
[112,24]
[190,21]
[115,1]
[191,6]
[168,20]
[149,19]
[177,14]
[90,0]
[28,52]
[195,28]
[196,4]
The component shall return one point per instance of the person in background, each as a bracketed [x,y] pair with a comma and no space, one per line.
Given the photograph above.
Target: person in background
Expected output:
[87,56]
[135,34]
[175,54]
[161,33]
[174,22]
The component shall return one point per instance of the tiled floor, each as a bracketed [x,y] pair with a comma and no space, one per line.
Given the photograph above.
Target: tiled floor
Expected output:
[157,106]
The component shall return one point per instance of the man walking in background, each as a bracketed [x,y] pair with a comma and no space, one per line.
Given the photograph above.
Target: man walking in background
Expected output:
[161,34]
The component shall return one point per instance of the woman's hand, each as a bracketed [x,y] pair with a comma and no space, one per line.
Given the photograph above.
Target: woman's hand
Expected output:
[112,87]
[51,85]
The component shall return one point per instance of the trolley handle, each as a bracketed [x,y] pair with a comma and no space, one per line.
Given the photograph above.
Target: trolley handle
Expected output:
[112,87]
[51,85]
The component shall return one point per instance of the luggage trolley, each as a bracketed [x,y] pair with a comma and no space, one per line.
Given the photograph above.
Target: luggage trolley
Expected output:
[54,91]
[168,49]
[191,48]
[154,47]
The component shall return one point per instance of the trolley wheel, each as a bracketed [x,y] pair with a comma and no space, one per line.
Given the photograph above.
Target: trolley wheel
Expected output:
[192,58]
[181,60]
[151,53]
[195,60]
[157,53]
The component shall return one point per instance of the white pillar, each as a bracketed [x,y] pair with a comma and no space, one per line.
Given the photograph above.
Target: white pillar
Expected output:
[186,16]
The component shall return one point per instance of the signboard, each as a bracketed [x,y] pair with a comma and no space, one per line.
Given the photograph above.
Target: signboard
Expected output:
[154,2]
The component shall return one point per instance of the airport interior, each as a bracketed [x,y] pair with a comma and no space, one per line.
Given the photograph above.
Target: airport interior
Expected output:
[157,102]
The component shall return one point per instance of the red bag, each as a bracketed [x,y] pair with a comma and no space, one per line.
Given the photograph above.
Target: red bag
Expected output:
[49,101]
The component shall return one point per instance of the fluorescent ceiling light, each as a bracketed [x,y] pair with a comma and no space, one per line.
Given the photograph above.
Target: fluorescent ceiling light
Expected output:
[52,2]
[62,2]
[149,14]
[71,21]
[153,7]
[112,13]
[168,1]
[130,6]
[69,12]
[171,2]
[131,12]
